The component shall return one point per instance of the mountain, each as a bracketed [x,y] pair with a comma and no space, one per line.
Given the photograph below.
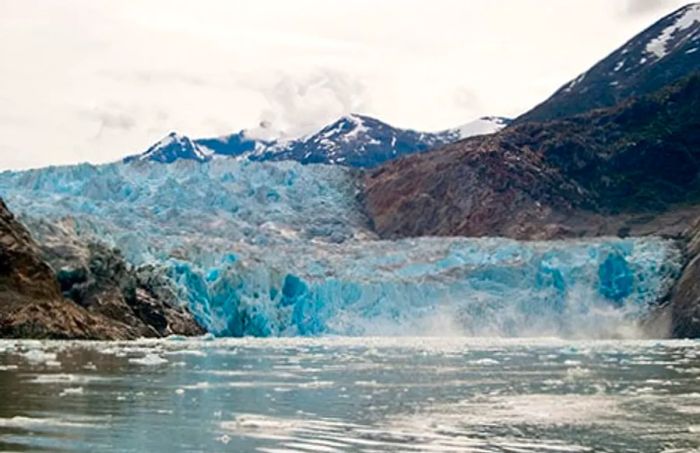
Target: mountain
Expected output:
[171,148]
[362,141]
[353,140]
[662,54]
[629,169]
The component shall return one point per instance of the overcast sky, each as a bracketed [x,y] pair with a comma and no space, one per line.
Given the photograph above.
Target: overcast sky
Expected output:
[94,80]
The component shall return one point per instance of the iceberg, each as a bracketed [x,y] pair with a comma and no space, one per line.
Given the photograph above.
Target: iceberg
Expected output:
[281,249]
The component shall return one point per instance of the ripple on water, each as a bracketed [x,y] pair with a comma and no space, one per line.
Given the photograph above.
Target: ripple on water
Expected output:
[352,394]
[420,434]
[49,423]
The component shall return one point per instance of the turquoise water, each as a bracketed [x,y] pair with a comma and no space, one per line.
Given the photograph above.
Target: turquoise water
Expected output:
[351,394]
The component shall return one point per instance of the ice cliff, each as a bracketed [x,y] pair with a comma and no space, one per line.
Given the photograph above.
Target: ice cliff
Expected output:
[277,248]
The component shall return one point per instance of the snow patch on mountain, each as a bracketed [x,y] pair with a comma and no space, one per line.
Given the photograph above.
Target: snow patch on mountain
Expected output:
[661,54]
[686,18]
[574,82]
[484,125]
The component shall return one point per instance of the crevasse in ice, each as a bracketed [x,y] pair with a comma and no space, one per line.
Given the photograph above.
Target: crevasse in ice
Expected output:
[283,249]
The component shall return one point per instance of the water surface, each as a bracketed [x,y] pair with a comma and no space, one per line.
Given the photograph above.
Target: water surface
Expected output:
[351,394]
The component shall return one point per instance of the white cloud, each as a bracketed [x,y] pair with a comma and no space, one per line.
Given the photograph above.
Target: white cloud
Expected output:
[635,7]
[98,79]
[297,105]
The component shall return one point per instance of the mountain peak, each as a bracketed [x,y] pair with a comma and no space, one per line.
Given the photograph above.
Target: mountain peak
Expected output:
[172,147]
[664,53]
[354,119]
[351,117]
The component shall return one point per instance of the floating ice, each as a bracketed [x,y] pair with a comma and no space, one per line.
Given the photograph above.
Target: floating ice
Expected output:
[71,391]
[50,423]
[149,360]
[63,378]
[37,356]
[281,249]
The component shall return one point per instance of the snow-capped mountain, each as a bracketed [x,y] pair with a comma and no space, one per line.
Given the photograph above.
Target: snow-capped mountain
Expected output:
[173,147]
[353,140]
[362,141]
[662,54]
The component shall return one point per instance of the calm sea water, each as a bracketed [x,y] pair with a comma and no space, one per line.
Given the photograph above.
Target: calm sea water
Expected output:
[350,394]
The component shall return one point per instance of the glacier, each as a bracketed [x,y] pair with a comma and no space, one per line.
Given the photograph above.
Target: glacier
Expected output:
[283,249]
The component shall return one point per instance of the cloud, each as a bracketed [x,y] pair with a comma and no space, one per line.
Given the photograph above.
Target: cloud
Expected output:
[155,77]
[116,120]
[468,99]
[141,69]
[109,118]
[639,7]
[297,105]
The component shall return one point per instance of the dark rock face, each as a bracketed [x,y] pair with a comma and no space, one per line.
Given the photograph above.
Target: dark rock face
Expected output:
[683,307]
[113,289]
[660,55]
[99,279]
[94,294]
[631,169]
[31,304]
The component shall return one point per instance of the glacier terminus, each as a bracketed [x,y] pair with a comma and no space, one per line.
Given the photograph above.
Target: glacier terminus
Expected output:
[284,249]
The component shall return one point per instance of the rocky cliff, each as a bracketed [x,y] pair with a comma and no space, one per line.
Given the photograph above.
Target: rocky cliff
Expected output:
[94,294]
[683,306]
[98,278]
[30,297]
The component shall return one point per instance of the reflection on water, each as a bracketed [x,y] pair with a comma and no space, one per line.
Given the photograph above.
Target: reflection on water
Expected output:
[350,394]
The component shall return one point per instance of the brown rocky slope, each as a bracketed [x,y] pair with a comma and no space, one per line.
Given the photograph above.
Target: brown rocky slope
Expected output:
[630,169]
[94,296]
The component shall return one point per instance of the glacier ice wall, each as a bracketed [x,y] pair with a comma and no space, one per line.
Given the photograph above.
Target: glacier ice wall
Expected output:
[190,209]
[433,286]
[283,249]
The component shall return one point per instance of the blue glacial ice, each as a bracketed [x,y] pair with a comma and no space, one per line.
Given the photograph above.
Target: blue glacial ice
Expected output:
[279,248]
